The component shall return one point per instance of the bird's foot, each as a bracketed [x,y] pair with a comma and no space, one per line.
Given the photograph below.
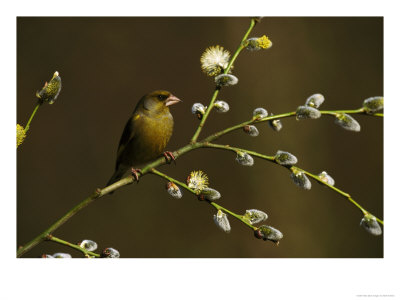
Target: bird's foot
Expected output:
[169,157]
[135,173]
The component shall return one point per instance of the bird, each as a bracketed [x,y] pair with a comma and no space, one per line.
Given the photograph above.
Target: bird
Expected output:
[146,134]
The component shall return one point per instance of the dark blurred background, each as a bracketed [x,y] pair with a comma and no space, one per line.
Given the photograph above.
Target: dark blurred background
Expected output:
[107,64]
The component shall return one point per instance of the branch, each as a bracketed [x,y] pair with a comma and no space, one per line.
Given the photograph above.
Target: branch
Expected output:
[217,89]
[272,159]
[217,135]
[212,203]
[76,247]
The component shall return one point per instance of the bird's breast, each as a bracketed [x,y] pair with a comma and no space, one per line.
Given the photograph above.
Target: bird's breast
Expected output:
[153,135]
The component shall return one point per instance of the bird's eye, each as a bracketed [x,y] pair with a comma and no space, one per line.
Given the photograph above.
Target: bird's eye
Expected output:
[162,97]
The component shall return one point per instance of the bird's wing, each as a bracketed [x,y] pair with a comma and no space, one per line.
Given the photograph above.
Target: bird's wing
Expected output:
[127,135]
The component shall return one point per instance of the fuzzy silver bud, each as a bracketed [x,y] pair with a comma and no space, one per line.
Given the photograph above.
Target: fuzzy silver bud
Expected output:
[221,106]
[300,179]
[110,253]
[210,194]
[255,216]
[221,220]
[315,100]
[226,80]
[260,113]
[373,104]
[251,130]
[173,190]
[325,177]
[285,158]
[307,112]
[244,159]
[198,109]
[88,245]
[275,124]
[347,122]
[369,223]
[268,233]
[62,255]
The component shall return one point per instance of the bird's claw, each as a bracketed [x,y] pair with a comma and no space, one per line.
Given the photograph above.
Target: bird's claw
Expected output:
[135,173]
[169,157]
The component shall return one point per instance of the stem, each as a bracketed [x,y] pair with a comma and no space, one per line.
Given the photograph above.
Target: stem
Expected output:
[166,177]
[32,115]
[351,111]
[205,116]
[217,89]
[76,247]
[239,217]
[235,149]
[346,195]
[249,122]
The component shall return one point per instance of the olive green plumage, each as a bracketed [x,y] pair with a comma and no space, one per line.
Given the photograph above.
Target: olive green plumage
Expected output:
[146,133]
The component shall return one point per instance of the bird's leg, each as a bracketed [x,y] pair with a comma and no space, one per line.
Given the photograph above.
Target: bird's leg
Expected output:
[135,173]
[169,157]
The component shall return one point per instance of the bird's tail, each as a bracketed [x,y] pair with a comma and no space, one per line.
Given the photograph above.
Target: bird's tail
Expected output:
[117,175]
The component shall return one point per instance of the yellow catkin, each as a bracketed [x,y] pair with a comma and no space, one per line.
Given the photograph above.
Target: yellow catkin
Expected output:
[264,42]
[20,135]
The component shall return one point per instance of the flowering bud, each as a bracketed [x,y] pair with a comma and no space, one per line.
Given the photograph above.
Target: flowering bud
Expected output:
[244,159]
[285,158]
[221,106]
[255,44]
[62,255]
[275,124]
[198,109]
[373,104]
[173,190]
[214,60]
[21,135]
[347,122]
[315,100]
[210,194]
[255,216]
[226,80]
[51,90]
[371,225]
[110,253]
[300,179]
[260,113]
[269,233]
[88,245]
[251,130]
[307,112]
[326,178]
[221,220]
[197,180]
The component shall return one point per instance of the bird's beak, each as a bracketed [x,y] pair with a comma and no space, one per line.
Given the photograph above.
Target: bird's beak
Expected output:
[172,100]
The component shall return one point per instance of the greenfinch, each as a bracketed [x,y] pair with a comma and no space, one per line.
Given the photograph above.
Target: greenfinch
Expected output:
[146,133]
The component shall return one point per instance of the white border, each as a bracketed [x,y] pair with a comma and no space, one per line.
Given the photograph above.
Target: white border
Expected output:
[198,278]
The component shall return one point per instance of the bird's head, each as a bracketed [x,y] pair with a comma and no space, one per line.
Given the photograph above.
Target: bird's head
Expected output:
[159,101]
